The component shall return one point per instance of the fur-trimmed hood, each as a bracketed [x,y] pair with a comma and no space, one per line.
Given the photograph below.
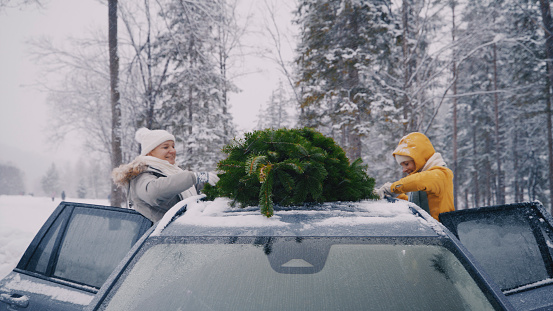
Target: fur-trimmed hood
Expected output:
[123,174]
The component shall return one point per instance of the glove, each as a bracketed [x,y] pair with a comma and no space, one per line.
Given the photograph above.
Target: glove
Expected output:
[212,178]
[385,191]
[205,177]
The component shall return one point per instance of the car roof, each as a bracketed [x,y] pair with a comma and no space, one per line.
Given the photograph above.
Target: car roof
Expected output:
[378,218]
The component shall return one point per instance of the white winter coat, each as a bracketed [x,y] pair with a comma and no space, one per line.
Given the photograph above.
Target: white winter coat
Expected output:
[151,192]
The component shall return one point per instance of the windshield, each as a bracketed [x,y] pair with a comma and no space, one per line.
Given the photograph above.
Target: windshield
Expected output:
[295,274]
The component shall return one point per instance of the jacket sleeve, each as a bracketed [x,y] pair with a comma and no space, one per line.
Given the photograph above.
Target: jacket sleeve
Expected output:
[432,181]
[403,197]
[156,190]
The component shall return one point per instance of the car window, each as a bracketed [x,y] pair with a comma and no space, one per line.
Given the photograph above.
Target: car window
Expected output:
[41,257]
[84,244]
[85,233]
[509,253]
[512,242]
[295,274]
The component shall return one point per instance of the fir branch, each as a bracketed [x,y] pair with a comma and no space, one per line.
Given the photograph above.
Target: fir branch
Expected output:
[291,167]
[266,197]
[253,163]
[264,172]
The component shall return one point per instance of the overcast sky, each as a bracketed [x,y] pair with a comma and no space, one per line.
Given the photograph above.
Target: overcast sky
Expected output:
[24,114]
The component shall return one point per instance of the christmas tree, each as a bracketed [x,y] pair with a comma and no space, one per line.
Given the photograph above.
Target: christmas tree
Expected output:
[288,167]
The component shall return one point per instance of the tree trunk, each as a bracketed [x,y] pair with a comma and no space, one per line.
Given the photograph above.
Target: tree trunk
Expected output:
[466,198]
[190,127]
[117,195]
[488,169]
[454,69]
[549,142]
[500,193]
[515,166]
[475,164]
[150,86]
[548,25]
[356,140]
[223,58]
[406,107]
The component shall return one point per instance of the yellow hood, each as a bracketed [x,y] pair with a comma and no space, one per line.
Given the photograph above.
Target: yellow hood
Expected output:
[418,147]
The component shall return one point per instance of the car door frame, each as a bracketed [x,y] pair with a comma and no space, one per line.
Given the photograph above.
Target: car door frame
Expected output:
[539,221]
[52,261]
[65,210]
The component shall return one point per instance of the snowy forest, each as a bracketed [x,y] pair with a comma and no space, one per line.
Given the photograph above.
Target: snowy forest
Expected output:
[473,75]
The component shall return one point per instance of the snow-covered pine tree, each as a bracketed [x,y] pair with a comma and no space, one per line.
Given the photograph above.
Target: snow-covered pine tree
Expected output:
[525,155]
[275,115]
[412,83]
[501,103]
[341,46]
[289,167]
[476,117]
[419,68]
[81,189]
[50,182]
[141,89]
[194,107]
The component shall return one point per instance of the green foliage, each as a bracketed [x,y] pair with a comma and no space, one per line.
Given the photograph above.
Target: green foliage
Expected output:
[288,167]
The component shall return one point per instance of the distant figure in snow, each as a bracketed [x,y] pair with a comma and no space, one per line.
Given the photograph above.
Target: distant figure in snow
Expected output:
[53,196]
[63,195]
[429,182]
[153,181]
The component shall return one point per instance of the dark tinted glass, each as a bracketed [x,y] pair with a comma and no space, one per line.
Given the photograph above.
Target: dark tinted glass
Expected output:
[506,246]
[94,243]
[41,257]
[295,274]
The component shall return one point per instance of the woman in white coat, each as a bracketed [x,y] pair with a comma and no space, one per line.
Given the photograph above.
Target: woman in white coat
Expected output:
[153,181]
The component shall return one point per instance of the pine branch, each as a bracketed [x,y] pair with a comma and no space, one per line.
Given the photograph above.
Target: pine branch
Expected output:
[291,167]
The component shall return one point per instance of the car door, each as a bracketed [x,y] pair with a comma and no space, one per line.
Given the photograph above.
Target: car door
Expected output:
[71,256]
[514,244]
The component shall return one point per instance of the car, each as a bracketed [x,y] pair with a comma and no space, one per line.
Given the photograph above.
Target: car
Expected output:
[208,255]
[334,256]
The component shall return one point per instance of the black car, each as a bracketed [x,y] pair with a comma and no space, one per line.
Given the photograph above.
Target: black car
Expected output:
[205,255]
[337,256]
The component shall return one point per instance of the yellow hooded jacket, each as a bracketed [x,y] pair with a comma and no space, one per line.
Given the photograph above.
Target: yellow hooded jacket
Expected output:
[430,174]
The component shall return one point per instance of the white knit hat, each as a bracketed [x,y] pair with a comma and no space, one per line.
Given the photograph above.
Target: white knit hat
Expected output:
[150,139]
[401,158]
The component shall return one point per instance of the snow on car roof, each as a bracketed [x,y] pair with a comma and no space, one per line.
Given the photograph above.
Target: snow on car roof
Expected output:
[364,218]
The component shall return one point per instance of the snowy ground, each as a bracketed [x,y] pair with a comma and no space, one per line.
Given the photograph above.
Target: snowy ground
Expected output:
[20,219]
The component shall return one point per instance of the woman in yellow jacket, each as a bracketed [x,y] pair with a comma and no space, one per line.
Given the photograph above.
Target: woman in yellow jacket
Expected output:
[429,182]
